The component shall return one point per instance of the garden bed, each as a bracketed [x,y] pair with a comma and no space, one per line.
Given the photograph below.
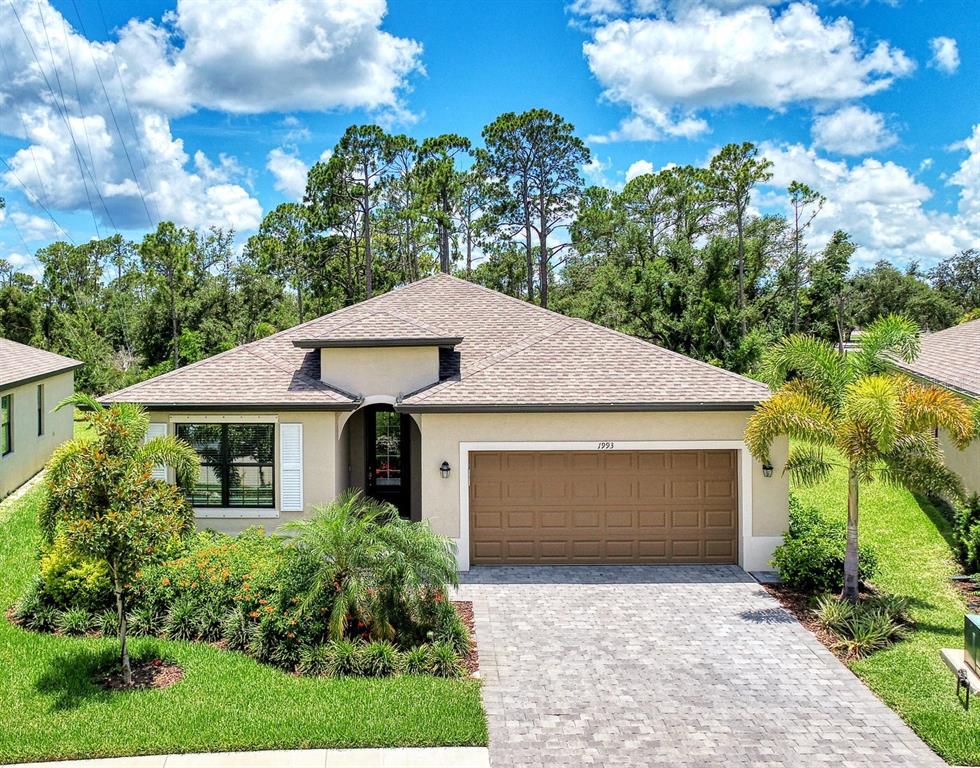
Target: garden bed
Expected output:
[798,604]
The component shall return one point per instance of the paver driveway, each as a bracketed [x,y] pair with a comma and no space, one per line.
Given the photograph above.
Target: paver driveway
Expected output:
[674,665]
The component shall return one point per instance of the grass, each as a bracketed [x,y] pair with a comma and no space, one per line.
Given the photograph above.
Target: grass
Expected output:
[226,701]
[915,560]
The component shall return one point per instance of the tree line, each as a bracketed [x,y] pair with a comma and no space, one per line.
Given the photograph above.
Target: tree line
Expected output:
[677,257]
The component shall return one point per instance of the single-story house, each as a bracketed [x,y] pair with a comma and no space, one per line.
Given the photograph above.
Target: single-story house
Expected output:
[525,435]
[951,358]
[32,382]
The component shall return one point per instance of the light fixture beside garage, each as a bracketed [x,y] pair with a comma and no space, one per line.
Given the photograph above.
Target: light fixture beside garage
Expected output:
[767,470]
[445,469]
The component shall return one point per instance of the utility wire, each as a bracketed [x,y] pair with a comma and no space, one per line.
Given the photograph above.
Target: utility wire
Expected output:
[81,112]
[122,87]
[115,122]
[35,199]
[23,124]
[64,111]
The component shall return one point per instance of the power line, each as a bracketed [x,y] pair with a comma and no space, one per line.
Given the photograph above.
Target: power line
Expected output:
[81,112]
[35,199]
[115,121]
[64,110]
[122,87]
[23,124]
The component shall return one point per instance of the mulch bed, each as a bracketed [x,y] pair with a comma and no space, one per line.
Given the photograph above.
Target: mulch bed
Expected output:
[155,673]
[472,660]
[967,588]
[799,605]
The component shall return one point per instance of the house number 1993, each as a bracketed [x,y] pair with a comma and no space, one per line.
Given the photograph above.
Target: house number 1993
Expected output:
[606,446]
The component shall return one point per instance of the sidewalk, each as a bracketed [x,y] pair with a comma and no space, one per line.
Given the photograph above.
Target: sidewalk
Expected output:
[424,757]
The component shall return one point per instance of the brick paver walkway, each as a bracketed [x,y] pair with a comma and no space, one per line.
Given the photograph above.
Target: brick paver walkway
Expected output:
[667,666]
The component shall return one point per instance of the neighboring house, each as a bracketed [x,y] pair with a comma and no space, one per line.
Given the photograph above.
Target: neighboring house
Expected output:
[32,382]
[527,436]
[951,358]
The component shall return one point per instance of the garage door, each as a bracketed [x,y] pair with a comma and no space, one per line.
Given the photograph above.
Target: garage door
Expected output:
[603,507]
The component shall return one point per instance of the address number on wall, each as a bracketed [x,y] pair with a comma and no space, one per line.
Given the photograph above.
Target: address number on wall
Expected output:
[606,446]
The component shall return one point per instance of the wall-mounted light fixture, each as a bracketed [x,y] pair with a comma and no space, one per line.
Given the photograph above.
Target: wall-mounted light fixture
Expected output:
[445,469]
[767,470]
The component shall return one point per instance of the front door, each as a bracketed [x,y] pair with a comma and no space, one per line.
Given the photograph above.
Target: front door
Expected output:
[388,456]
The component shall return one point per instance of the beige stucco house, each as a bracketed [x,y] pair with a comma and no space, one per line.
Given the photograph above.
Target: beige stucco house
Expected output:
[951,358]
[527,436]
[32,383]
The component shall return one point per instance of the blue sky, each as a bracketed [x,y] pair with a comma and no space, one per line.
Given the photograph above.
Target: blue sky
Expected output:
[223,105]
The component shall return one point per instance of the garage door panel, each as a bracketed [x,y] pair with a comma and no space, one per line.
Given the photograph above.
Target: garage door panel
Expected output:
[603,507]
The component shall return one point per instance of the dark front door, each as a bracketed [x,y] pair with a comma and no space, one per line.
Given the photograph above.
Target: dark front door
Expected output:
[388,456]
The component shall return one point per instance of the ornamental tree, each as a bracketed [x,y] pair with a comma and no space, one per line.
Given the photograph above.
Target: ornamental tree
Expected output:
[856,406]
[103,500]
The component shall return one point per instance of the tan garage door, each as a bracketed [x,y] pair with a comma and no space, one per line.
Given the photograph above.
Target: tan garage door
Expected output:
[603,507]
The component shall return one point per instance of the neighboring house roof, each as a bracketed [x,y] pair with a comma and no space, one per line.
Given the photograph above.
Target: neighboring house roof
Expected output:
[951,358]
[509,355]
[21,364]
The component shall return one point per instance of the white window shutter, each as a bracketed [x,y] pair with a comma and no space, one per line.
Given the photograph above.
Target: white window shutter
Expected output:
[291,467]
[157,429]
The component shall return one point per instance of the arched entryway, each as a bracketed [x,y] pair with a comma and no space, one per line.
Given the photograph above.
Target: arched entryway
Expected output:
[384,457]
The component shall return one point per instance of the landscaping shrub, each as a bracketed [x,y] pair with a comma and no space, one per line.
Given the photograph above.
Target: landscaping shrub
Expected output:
[236,629]
[144,621]
[417,661]
[74,621]
[107,623]
[444,661]
[811,559]
[965,520]
[207,622]
[44,619]
[33,598]
[345,657]
[181,621]
[314,660]
[380,659]
[866,626]
[71,580]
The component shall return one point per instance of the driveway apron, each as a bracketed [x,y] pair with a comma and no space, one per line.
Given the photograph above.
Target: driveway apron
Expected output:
[667,666]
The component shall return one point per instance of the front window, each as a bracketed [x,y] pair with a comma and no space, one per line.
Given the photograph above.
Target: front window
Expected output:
[237,468]
[6,425]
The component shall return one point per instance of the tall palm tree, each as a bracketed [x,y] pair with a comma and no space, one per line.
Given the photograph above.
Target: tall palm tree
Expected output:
[881,422]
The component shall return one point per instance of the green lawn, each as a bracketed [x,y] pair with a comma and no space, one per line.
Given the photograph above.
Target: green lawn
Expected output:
[915,560]
[226,701]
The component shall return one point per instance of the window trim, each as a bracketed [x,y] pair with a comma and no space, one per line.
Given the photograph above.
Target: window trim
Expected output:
[40,409]
[7,424]
[223,469]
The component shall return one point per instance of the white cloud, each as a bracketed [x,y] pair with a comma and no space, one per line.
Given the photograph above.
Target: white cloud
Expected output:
[247,57]
[668,68]
[852,130]
[33,228]
[881,204]
[289,172]
[945,54]
[638,168]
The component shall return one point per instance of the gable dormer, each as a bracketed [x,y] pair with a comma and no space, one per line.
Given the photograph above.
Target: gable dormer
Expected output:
[380,353]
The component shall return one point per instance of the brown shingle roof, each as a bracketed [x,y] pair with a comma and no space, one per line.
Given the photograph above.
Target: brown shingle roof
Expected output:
[951,358]
[378,329]
[20,363]
[512,355]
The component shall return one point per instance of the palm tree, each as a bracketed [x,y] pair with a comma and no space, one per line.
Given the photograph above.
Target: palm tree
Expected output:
[855,405]
[370,563]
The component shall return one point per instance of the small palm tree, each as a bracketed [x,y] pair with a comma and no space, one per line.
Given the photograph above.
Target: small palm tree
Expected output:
[881,422]
[103,500]
[370,562]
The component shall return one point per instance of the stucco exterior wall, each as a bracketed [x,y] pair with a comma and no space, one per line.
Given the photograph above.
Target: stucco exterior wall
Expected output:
[965,463]
[320,462]
[443,433]
[374,371]
[32,451]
